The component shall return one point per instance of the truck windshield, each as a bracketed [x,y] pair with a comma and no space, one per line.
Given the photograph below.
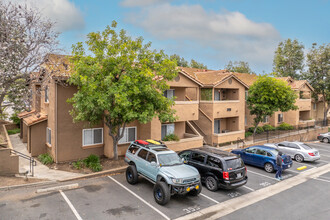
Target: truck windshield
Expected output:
[169,159]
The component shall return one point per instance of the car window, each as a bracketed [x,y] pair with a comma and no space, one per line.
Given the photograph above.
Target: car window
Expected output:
[213,162]
[293,146]
[143,154]
[269,154]
[250,150]
[185,155]
[234,163]
[305,146]
[261,152]
[273,151]
[151,157]
[197,157]
[169,159]
[281,145]
[133,149]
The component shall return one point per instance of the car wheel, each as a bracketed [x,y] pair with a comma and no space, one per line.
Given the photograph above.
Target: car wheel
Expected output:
[299,158]
[131,175]
[269,167]
[325,140]
[211,183]
[195,192]
[161,193]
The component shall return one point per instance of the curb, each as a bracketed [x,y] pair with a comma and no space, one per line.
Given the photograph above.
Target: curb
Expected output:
[6,188]
[57,188]
[101,173]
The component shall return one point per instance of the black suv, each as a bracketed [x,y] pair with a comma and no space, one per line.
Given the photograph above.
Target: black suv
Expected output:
[218,169]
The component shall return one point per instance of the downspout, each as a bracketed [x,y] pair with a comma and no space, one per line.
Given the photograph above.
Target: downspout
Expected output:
[56,160]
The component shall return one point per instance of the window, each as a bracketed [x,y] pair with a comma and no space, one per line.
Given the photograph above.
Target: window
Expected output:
[261,152]
[266,119]
[133,149]
[185,155]
[217,126]
[129,135]
[246,94]
[169,93]
[197,157]
[167,129]
[92,136]
[46,94]
[49,136]
[314,106]
[235,164]
[280,118]
[269,154]
[151,157]
[143,154]
[245,120]
[216,95]
[250,150]
[294,146]
[213,162]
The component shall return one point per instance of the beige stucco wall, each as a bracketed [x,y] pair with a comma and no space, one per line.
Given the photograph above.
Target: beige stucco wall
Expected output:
[8,163]
[185,144]
[227,137]
[186,110]
[37,139]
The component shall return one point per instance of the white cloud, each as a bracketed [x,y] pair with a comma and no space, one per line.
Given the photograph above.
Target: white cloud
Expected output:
[229,35]
[140,3]
[66,15]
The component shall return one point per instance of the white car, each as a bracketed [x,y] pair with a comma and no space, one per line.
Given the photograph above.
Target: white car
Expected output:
[297,150]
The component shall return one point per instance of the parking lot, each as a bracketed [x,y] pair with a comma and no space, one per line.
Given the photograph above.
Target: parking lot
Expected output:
[111,197]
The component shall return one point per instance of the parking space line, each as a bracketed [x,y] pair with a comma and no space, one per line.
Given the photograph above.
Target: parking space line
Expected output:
[134,194]
[213,200]
[249,188]
[328,181]
[263,175]
[70,205]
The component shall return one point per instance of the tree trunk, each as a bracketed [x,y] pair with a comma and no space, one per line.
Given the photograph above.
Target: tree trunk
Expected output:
[255,128]
[325,112]
[115,148]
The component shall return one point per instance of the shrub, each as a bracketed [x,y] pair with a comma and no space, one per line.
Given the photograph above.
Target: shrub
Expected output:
[78,165]
[171,137]
[93,162]
[14,131]
[15,119]
[45,158]
[248,134]
[285,126]
[258,131]
[268,128]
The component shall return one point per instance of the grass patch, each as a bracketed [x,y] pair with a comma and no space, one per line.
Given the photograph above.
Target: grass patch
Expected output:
[45,158]
[14,131]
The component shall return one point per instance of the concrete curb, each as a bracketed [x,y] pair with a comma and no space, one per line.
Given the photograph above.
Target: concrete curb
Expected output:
[57,188]
[6,188]
[101,173]
[222,209]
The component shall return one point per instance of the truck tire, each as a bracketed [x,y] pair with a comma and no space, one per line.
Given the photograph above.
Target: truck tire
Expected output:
[131,175]
[196,192]
[161,193]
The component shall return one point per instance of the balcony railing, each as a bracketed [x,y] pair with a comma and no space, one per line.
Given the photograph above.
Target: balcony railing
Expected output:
[186,110]
[189,141]
[228,136]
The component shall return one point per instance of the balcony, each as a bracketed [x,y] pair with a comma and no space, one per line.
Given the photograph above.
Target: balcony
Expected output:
[186,110]
[304,104]
[228,136]
[189,141]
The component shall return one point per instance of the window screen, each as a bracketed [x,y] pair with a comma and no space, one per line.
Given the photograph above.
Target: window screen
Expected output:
[129,135]
[92,136]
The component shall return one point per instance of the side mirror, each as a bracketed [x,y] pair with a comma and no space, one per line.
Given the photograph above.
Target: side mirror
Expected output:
[183,160]
[153,163]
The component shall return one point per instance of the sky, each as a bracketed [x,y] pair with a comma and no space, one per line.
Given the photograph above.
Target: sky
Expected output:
[212,32]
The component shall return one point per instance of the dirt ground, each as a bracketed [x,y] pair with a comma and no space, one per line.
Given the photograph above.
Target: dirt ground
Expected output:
[12,180]
[107,164]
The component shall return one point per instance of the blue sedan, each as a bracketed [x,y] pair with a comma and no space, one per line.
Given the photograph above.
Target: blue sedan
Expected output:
[262,156]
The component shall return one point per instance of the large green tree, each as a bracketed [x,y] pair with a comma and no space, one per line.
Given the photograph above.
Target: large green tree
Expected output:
[289,59]
[121,80]
[179,60]
[318,74]
[268,95]
[239,67]
[198,65]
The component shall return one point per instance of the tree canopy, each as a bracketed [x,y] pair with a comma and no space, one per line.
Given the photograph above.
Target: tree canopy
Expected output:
[182,62]
[239,67]
[289,59]
[121,82]
[268,95]
[318,74]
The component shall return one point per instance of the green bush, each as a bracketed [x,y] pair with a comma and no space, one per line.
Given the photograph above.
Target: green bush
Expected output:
[171,137]
[14,131]
[268,128]
[93,162]
[285,126]
[78,165]
[258,131]
[15,119]
[45,158]
[248,134]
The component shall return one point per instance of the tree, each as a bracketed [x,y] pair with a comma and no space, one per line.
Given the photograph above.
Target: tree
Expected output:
[318,74]
[239,67]
[179,60]
[289,59]
[123,81]
[268,95]
[25,39]
[195,64]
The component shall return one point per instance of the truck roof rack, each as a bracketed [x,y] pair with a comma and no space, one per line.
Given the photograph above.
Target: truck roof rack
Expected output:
[149,143]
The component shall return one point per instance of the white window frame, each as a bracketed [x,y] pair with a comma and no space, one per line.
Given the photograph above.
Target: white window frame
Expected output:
[166,129]
[126,130]
[282,117]
[46,95]
[92,129]
[47,136]
[265,119]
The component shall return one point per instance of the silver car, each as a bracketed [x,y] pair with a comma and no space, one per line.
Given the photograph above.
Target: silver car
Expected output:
[325,137]
[297,150]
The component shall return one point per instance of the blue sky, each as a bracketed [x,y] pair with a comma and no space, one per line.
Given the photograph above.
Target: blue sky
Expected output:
[211,31]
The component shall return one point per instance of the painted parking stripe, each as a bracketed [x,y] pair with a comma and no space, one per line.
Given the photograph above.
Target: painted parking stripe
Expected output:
[328,181]
[70,205]
[159,212]
[213,200]
[249,188]
[263,175]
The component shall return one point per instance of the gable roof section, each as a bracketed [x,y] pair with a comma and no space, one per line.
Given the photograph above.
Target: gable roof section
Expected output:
[35,118]
[298,84]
